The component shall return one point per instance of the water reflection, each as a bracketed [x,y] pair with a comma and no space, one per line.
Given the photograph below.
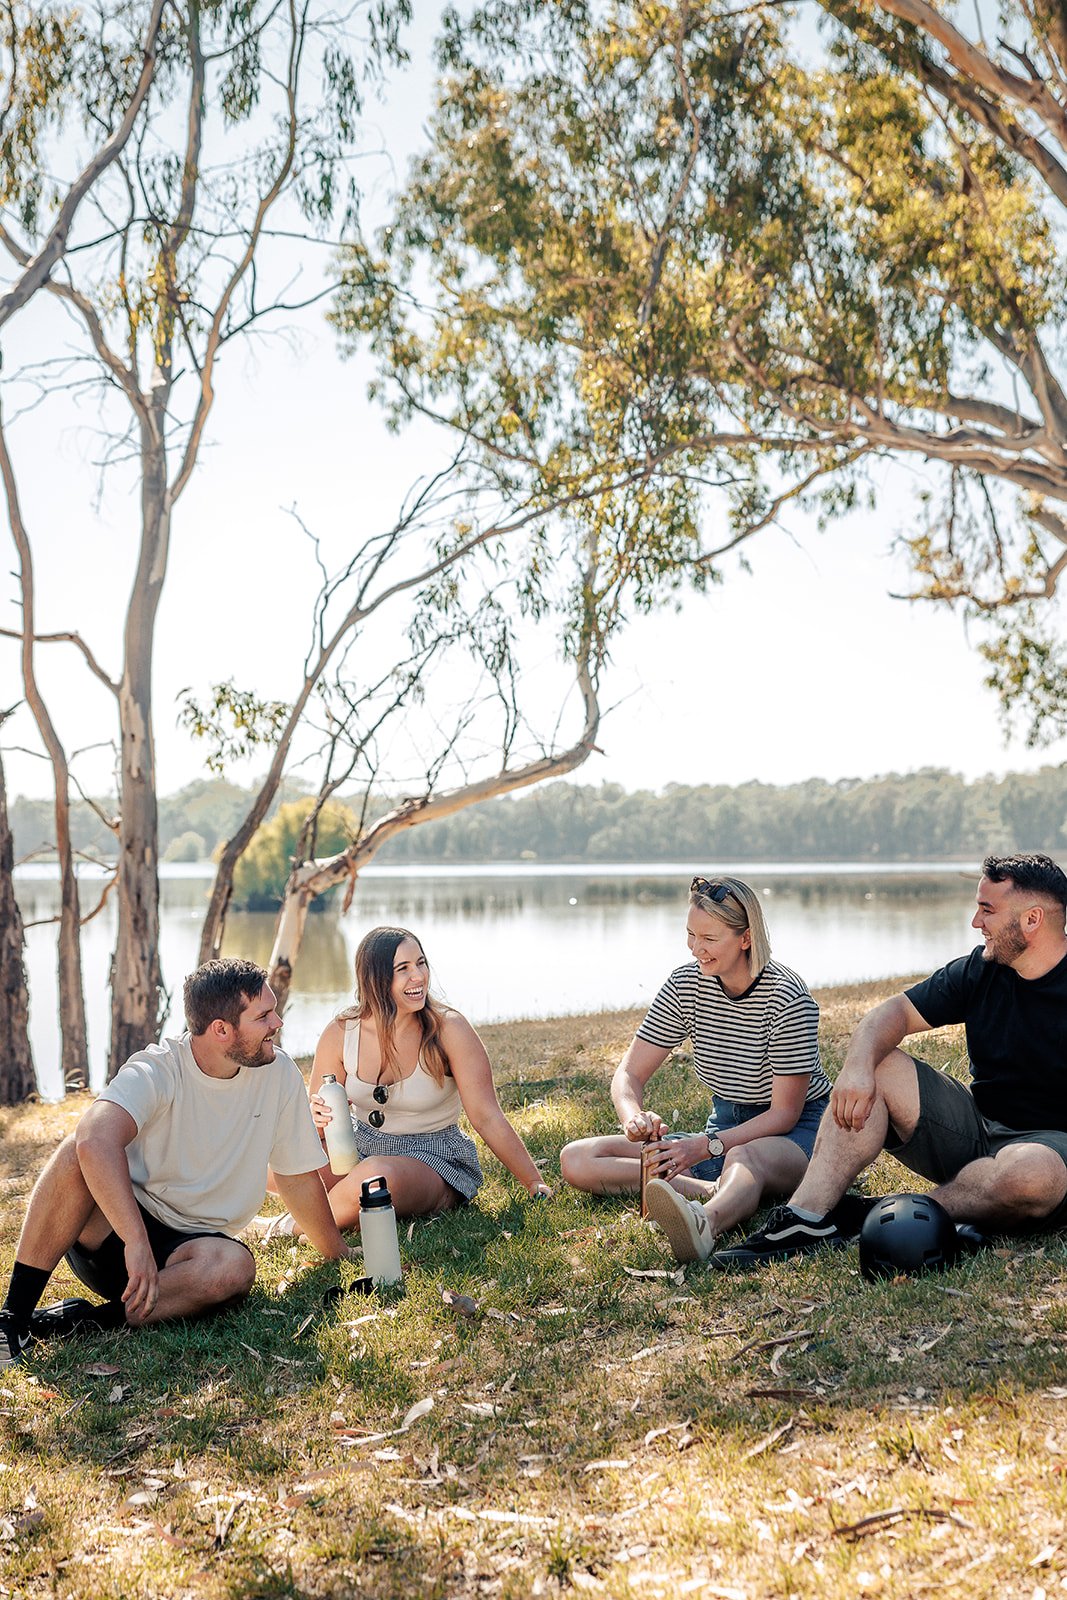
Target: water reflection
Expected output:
[323,965]
[506,942]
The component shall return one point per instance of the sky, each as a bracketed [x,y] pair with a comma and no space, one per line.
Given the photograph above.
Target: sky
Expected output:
[803,666]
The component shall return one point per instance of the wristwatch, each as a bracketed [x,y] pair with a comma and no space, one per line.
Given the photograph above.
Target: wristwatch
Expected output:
[715,1146]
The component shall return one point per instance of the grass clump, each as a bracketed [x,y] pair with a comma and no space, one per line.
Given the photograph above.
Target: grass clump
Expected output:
[551,1407]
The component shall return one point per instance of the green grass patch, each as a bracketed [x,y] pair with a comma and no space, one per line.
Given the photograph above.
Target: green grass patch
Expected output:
[589,1419]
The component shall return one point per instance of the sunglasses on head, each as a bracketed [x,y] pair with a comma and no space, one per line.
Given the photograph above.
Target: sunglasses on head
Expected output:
[380,1093]
[714,891]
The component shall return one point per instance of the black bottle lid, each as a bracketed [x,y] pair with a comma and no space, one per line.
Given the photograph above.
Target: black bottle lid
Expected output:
[374,1195]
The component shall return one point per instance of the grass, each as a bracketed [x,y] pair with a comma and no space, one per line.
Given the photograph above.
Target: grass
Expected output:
[600,1422]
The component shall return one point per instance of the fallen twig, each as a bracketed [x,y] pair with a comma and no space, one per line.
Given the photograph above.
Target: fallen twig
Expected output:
[885,1519]
[771,1438]
[771,1344]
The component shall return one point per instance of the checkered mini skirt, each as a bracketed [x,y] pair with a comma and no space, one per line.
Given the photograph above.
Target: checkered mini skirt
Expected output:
[447,1150]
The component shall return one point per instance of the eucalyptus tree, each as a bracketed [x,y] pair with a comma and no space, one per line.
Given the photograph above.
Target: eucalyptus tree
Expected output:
[763,244]
[72,1027]
[226,139]
[16,1058]
[474,567]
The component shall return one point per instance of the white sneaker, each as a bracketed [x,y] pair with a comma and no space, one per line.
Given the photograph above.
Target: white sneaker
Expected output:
[264,1229]
[683,1221]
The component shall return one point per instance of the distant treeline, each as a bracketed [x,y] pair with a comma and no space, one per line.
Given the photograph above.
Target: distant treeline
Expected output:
[915,816]
[901,817]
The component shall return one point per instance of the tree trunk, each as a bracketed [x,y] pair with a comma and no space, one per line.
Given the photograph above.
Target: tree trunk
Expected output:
[73,1033]
[289,934]
[136,977]
[17,1080]
[72,1029]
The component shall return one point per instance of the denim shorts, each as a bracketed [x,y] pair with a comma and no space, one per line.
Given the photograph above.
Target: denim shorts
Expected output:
[732,1113]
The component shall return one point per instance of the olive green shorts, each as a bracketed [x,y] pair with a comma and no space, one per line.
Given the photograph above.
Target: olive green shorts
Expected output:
[951,1132]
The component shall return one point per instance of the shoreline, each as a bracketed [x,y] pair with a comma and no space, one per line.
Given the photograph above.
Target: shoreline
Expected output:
[592,1031]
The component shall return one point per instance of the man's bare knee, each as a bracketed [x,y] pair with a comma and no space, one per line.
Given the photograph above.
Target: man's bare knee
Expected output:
[233,1277]
[225,1271]
[897,1082]
[240,1284]
[63,1165]
[1031,1183]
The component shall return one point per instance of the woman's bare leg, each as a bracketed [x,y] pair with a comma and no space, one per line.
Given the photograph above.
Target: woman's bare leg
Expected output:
[750,1171]
[608,1165]
[416,1190]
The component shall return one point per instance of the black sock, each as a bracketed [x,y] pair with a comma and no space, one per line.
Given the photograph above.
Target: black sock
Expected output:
[24,1292]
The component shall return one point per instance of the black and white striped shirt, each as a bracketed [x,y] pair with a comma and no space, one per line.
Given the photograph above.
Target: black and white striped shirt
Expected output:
[740,1043]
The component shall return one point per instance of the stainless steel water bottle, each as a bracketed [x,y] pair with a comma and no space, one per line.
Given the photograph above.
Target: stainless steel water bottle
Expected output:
[377,1227]
[341,1144]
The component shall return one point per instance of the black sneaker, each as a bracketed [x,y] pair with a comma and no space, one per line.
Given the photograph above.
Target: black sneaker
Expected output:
[63,1319]
[971,1239]
[784,1234]
[851,1212]
[14,1342]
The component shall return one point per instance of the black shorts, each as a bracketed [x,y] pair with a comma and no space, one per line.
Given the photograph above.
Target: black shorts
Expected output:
[104,1269]
[951,1132]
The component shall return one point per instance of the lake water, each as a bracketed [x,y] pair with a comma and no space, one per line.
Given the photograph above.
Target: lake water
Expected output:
[522,941]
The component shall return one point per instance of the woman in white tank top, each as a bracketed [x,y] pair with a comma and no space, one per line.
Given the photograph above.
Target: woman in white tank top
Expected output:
[409,1068]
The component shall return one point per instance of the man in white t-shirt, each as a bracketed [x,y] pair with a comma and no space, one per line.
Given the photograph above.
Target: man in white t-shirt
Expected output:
[168,1165]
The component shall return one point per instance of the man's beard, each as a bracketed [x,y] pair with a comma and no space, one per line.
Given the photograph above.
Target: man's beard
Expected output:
[246,1056]
[1006,946]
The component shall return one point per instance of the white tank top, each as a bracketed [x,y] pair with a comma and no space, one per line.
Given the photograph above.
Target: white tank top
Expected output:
[415,1105]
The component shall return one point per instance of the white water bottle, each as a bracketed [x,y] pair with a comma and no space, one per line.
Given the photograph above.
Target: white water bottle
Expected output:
[341,1144]
[377,1226]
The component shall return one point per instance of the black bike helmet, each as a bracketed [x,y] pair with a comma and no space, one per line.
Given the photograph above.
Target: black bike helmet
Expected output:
[907,1233]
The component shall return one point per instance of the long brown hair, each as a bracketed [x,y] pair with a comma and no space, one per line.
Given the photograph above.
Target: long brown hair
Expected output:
[374,999]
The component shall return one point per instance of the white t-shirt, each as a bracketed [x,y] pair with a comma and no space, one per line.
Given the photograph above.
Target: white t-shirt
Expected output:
[200,1155]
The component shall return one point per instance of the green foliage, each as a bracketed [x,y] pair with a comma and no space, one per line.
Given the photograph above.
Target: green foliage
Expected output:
[263,870]
[669,272]
[927,815]
[187,847]
[267,102]
[43,41]
[234,721]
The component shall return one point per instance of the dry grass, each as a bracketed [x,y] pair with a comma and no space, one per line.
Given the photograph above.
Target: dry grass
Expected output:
[599,1422]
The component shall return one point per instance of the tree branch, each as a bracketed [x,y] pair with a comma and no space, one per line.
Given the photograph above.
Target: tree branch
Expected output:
[68,638]
[36,271]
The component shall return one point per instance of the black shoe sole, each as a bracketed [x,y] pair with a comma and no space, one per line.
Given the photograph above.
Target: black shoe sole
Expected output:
[729,1261]
[64,1318]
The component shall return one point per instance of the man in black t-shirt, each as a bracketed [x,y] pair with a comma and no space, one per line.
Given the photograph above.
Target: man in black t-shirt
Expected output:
[997,1149]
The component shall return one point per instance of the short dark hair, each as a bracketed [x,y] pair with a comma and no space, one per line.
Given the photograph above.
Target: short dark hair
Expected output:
[1033,874]
[221,990]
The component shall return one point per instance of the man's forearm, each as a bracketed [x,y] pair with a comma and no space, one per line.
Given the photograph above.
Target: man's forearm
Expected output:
[879,1033]
[305,1198]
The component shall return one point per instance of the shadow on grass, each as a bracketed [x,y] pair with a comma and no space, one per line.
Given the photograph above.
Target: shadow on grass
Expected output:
[589,1402]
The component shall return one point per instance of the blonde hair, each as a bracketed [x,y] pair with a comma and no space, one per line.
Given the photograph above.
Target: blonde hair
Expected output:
[739,909]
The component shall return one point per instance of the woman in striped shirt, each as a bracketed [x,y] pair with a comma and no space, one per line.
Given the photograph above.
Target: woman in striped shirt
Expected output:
[754,1031]
[410,1066]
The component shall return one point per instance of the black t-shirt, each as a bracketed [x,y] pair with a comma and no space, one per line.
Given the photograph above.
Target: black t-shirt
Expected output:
[1016,1036]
